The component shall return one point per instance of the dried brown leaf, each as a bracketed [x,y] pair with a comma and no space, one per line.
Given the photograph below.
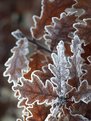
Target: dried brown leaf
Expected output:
[36,91]
[59,30]
[50,8]
[38,65]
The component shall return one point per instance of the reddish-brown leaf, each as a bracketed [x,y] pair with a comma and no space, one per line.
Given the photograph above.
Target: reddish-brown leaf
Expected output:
[37,61]
[60,30]
[44,74]
[36,91]
[50,8]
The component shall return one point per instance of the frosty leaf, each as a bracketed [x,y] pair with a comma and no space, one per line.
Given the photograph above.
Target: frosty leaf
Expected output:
[84,30]
[76,60]
[18,62]
[37,61]
[60,29]
[49,9]
[83,93]
[60,68]
[35,91]
[39,112]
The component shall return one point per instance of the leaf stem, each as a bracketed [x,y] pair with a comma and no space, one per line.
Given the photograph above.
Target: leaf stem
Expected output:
[39,45]
[18,34]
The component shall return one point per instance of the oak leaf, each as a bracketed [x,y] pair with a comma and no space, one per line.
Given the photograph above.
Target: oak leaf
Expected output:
[59,69]
[18,62]
[36,91]
[60,29]
[76,62]
[50,8]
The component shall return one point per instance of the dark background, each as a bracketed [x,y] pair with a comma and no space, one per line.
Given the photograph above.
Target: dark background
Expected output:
[14,14]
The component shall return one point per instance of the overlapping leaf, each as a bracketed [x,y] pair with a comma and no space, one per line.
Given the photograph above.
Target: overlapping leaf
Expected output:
[76,61]
[50,8]
[60,68]
[38,65]
[35,90]
[18,62]
[60,29]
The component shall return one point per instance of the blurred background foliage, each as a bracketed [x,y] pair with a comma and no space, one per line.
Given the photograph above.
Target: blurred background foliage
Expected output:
[14,14]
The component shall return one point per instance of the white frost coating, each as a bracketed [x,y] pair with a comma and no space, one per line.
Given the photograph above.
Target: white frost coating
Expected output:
[51,0]
[78,12]
[17,34]
[18,62]
[76,59]
[60,68]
